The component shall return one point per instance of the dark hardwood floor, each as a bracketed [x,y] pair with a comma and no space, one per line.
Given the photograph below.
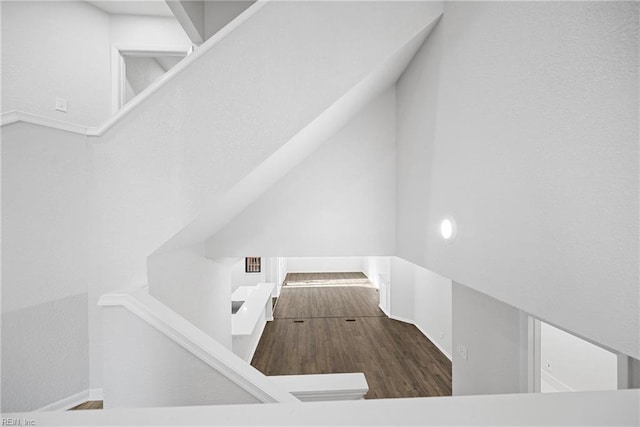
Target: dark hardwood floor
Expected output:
[330,323]
[92,404]
[323,301]
[335,329]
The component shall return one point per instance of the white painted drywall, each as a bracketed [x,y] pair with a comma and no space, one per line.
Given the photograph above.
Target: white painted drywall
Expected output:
[196,288]
[240,278]
[324,264]
[146,31]
[521,121]
[571,363]
[44,266]
[140,73]
[378,270]
[421,297]
[337,202]
[56,49]
[432,307]
[45,352]
[489,332]
[603,408]
[154,171]
[402,289]
[145,368]
[217,14]
[45,180]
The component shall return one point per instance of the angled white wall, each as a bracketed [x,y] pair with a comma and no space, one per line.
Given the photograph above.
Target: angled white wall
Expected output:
[45,338]
[339,201]
[521,121]
[196,288]
[421,297]
[432,308]
[197,136]
[56,49]
[217,14]
[487,345]
[145,368]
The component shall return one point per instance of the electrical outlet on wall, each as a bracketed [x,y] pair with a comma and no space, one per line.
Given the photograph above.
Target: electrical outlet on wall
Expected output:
[462,351]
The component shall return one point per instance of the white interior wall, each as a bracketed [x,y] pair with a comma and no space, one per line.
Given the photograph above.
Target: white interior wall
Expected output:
[189,142]
[603,408]
[486,344]
[402,289]
[195,10]
[145,368]
[45,341]
[378,270]
[196,288]
[338,201]
[423,298]
[217,14]
[56,49]
[323,264]
[140,73]
[569,363]
[432,307]
[520,120]
[240,278]
[146,31]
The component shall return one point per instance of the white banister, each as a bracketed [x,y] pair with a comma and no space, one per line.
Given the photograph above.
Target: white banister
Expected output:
[199,344]
[324,387]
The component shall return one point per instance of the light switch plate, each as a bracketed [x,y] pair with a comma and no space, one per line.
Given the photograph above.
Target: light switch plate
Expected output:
[61,105]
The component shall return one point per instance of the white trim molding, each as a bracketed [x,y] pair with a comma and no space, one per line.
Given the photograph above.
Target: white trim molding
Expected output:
[118,69]
[199,344]
[14,116]
[73,400]
[67,403]
[324,387]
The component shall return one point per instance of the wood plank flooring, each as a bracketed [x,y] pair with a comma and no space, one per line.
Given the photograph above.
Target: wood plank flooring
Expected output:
[322,329]
[92,404]
[323,301]
[327,279]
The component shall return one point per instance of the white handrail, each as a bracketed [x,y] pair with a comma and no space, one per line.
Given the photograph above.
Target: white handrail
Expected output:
[199,344]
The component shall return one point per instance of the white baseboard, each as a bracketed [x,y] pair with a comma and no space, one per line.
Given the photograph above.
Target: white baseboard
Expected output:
[401,319]
[73,400]
[442,350]
[67,402]
[423,332]
[384,311]
[96,394]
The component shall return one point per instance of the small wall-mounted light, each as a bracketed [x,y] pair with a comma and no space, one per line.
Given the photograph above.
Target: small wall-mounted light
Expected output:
[448,229]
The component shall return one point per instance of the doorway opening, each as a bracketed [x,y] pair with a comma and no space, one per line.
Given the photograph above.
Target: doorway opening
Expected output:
[135,68]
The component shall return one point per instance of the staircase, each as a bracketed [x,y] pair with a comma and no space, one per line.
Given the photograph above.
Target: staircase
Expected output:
[179,164]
